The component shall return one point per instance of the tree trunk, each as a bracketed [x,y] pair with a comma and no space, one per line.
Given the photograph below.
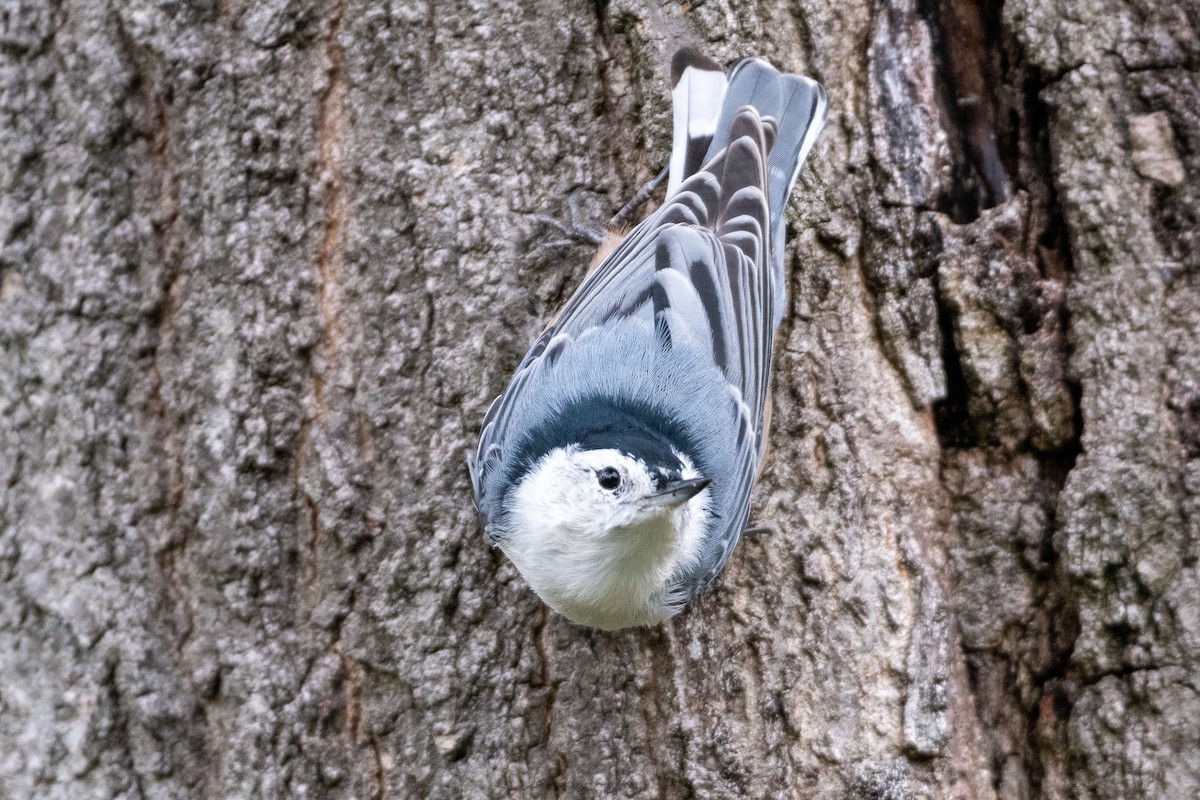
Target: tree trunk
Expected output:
[263,266]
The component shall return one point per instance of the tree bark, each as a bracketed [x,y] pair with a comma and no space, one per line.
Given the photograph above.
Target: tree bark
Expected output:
[263,266]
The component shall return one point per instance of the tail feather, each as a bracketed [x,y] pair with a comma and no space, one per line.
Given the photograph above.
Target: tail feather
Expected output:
[708,103]
[699,87]
[797,105]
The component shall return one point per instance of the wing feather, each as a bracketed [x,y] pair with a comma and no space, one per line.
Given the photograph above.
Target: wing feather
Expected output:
[700,269]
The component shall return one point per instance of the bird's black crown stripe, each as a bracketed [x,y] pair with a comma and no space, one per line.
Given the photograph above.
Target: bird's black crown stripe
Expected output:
[600,423]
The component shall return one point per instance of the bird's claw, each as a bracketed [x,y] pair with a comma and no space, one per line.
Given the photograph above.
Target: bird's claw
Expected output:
[575,233]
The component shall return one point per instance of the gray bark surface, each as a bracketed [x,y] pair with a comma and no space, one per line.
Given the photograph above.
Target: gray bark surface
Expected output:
[264,265]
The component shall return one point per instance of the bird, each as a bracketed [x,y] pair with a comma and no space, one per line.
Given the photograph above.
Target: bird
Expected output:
[616,469]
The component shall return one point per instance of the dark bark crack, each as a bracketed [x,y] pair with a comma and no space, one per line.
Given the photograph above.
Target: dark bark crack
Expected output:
[171,551]
[331,121]
[965,51]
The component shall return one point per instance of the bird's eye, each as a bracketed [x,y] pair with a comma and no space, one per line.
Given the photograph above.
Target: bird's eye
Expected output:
[609,478]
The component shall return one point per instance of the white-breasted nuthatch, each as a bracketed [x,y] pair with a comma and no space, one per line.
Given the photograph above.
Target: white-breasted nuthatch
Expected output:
[615,471]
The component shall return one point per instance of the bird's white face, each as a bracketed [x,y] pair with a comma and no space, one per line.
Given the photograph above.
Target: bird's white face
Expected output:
[597,534]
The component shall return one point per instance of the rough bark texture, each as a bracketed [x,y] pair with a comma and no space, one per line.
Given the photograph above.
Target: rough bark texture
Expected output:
[264,265]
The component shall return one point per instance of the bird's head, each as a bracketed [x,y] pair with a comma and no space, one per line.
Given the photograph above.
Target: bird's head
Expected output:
[598,532]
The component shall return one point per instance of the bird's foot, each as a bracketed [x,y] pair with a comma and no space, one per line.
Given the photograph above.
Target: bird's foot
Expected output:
[622,217]
[575,233]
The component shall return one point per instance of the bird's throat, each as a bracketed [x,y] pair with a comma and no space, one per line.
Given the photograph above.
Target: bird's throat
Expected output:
[646,546]
[626,576]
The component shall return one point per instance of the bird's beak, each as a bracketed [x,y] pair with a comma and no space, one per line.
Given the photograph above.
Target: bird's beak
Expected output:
[677,493]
